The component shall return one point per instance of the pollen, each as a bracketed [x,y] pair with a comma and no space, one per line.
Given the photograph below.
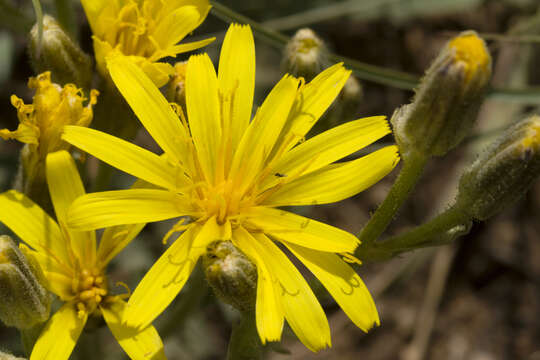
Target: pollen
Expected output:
[89,289]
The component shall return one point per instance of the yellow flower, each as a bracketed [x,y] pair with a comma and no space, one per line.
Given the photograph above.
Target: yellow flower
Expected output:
[146,31]
[74,267]
[229,174]
[53,107]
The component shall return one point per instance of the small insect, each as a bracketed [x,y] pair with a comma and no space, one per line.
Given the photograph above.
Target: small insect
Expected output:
[280,175]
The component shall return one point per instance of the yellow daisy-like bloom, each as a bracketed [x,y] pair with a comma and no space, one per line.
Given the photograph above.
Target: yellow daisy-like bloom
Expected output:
[74,267]
[228,174]
[146,31]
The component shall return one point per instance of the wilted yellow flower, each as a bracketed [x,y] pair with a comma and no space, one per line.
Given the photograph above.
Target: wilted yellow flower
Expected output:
[146,31]
[41,123]
[229,174]
[74,267]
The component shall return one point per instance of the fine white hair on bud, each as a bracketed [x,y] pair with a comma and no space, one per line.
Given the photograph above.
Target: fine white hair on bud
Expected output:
[24,300]
[305,55]
[447,100]
[503,172]
[57,52]
[231,274]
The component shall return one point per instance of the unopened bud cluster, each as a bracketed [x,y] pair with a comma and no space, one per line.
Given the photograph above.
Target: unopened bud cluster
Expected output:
[503,173]
[24,300]
[305,55]
[447,100]
[231,274]
[58,53]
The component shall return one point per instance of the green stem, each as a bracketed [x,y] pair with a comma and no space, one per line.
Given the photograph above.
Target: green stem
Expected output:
[413,167]
[245,343]
[368,72]
[442,229]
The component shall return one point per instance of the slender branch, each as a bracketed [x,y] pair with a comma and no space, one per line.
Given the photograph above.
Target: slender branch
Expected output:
[368,72]
[413,167]
[444,228]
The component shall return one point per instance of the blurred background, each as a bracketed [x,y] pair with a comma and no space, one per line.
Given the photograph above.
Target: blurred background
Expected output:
[478,298]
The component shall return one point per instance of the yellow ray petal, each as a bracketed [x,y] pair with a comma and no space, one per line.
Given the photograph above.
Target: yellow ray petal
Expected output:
[121,207]
[127,157]
[184,47]
[330,146]
[176,25]
[312,102]
[236,76]
[58,277]
[115,239]
[336,182]
[93,8]
[259,138]
[342,282]
[138,344]
[150,107]
[65,186]
[168,275]
[302,310]
[268,307]
[33,225]
[58,338]
[203,111]
[286,226]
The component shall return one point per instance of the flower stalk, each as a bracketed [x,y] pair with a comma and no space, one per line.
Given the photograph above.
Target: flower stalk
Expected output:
[410,173]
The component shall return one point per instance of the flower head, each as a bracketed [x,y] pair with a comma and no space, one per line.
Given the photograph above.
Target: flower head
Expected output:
[146,31]
[53,107]
[74,266]
[228,174]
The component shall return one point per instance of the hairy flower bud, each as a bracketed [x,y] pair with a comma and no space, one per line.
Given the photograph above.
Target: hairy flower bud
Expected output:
[305,55]
[58,53]
[447,100]
[231,274]
[7,356]
[176,91]
[503,173]
[24,300]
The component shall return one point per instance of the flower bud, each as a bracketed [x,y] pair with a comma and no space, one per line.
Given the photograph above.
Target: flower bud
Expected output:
[6,356]
[345,108]
[447,100]
[176,91]
[503,173]
[305,55]
[231,274]
[24,300]
[58,53]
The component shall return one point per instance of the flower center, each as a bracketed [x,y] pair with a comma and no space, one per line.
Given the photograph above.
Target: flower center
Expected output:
[222,201]
[89,289]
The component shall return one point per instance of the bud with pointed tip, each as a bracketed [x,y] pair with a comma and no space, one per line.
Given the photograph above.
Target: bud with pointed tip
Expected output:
[503,173]
[24,300]
[58,53]
[447,100]
[231,274]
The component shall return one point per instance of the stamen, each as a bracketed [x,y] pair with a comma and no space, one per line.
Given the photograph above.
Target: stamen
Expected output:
[350,258]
